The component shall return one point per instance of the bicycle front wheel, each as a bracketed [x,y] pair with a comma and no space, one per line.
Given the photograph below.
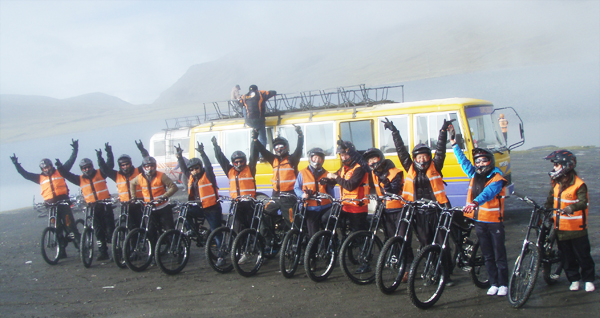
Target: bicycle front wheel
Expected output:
[137,250]
[50,246]
[391,265]
[247,252]
[172,252]
[87,247]
[358,255]
[427,277]
[478,272]
[522,280]
[218,248]
[291,252]
[117,246]
[320,255]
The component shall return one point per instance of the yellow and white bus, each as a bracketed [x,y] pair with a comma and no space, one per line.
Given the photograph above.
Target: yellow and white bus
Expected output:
[418,122]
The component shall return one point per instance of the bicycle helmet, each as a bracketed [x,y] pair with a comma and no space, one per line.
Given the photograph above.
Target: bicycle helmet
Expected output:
[372,153]
[125,159]
[149,164]
[46,163]
[193,162]
[237,155]
[484,168]
[418,150]
[281,151]
[316,152]
[348,145]
[567,161]
[87,163]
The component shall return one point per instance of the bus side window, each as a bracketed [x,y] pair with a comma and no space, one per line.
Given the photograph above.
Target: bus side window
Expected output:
[428,128]
[235,140]
[319,135]
[359,132]
[386,141]
[159,148]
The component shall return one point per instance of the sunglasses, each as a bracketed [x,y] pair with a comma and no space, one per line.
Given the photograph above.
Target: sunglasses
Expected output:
[482,160]
[279,147]
[195,168]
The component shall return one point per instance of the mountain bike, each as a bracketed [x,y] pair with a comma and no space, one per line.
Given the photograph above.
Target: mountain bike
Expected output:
[362,248]
[122,228]
[542,250]
[54,241]
[292,246]
[137,247]
[173,246]
[88,242]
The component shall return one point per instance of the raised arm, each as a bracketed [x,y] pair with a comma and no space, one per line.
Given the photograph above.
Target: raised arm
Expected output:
[104,167]
[69,163]
[440,151]
[208,169]
[34,177]
[181,163]
[143,150]
[268,156]
[403,154]
[295,157]
[74,179]
[221,159]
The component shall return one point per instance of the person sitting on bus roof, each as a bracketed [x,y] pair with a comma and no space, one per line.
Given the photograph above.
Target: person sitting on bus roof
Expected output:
[93,187]
[54,189]
[310,182]
[123,177]
[241,175]
[285,170]
[202,186]
[156,186]
[255,105]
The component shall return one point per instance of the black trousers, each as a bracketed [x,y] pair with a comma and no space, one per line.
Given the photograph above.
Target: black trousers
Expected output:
[491,239]
[104,225]
[160,219]
[577,256]
[243,216]
[356,221]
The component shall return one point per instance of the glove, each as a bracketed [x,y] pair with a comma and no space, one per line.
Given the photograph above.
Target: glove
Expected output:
[387,124]
[200,147]
[161,198]
[178,150]
[58,164]
[323,181]
[139,144]
[107,148]
[99,153]
[75,144]
[14,159]
[568,210]
[214,141]
[470,207]
[308,191]
[446,124]
[254,134]
[298,130]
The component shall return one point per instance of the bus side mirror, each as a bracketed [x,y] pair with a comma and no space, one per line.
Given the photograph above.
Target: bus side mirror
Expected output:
[521,130]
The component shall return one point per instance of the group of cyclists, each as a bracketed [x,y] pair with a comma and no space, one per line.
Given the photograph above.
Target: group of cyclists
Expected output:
[359,175]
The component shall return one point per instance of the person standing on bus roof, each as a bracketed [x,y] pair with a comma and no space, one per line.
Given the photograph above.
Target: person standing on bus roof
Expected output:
[504,126]
[285,171]
[241,175]
[54,189]
[93,187]
[255,105]
[570,194]
[123,177]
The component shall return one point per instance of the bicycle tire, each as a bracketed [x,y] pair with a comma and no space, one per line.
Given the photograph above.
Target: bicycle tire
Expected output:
[249,242]
[391,265]
[478,271]
[50,246]
[357,259]
[117,246]
[426,281]
[87,247]
[137,250]
[320,256]
[290,254]
[521,283]
[172,252]
[552,264]
[214,250]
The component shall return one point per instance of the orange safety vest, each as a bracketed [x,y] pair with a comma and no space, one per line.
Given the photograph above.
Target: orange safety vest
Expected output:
[241,183]
[53,186]
[284,175]
[94,189]
[309,182]
[491,211]
[123,186]
[435,179]
[151,190]
[576,221]
[208,194]
[391,204]
[359,193]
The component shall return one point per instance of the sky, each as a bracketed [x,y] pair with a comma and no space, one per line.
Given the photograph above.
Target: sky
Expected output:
[134,50]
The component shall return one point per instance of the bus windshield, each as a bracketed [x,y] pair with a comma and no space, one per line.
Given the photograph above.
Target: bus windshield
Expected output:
[485,131]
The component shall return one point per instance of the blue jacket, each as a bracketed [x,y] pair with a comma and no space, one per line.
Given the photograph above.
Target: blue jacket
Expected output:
[491,190]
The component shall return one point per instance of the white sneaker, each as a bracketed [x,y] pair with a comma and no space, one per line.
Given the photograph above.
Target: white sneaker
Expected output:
[243,259]
[554,276]
[589,287]
[502,291]
[492,291]
[574,286]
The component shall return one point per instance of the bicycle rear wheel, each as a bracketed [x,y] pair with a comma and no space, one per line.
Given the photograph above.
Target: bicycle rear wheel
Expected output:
[87,247]
[50,246]
[391,265]
[427,277]
[218,248]
[552,265]
[172,252]
[522,279]
[358,255]
[117,246]
[320,255]
[478,272]
[291,252]
[137,250]
[247,252]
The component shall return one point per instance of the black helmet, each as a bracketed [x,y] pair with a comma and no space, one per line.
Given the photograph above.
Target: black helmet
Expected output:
[149,161]
[281,141]
[348,145]
[86,162]
[565,159]
[125,159]
[479,153]
[194,162]
[46,163]
[253,88]
[236,155]
[374,152]
[316,152]
[421,149]
[149,164]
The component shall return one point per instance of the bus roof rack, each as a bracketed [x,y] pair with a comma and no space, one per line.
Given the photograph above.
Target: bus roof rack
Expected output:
[341,97]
